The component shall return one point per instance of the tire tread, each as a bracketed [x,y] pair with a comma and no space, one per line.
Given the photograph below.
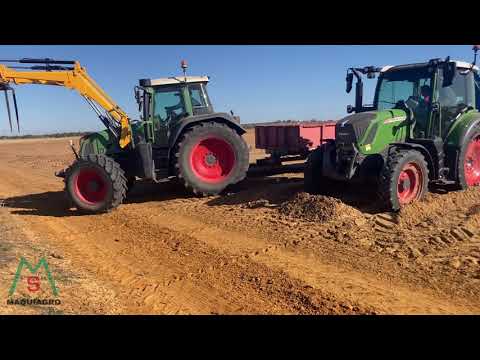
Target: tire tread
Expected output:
[114,173]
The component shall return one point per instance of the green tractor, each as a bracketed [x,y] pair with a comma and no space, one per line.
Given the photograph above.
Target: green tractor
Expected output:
[178,135]
[423,128]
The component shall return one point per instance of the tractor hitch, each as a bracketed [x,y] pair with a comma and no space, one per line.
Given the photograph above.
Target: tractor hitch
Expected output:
[61,173]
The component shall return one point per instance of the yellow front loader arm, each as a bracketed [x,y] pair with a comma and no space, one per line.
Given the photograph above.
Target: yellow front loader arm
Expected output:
[75,78]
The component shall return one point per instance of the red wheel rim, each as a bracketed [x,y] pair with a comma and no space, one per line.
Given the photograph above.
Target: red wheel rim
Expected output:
[410,183]
[212,160]
[472,163]
[90,186]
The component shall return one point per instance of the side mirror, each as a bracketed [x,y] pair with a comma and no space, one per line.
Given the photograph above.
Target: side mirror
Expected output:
[137,94]
[350,109]
[349,82]
[449,73]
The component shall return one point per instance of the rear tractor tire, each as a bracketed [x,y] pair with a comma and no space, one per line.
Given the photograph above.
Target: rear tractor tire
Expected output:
[404,178]
[209,157]
[95,184]
[469,162]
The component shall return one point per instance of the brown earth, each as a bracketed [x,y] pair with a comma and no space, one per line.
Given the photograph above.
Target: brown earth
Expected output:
[264,247]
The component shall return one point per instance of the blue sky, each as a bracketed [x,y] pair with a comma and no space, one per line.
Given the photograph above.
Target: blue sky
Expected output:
[259,83]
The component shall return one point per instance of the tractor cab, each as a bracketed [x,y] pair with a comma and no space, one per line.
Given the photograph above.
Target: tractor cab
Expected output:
[170,105]
[175,97]
[432,94]
[165,102]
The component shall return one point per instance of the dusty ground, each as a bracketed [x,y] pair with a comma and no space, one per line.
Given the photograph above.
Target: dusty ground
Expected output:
[263,248]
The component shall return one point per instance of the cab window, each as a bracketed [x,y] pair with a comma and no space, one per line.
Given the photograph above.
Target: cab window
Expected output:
[459,94]
[168,104]
[456,97]
[396,86]
[477,91]
[197,95]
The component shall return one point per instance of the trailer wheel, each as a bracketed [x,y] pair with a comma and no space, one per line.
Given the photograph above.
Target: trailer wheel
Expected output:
[469,162]
[209,157]
[313,180]
[404,178]
[95,184]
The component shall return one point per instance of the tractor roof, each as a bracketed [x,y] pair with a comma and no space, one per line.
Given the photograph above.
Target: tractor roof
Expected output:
[460,64]
[178,79]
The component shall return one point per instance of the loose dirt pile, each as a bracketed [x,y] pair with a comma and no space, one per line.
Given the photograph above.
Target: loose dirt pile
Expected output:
[317,208]
[436,207]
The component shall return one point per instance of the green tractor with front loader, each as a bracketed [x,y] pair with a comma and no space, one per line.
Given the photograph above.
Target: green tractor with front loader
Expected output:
[179,135]
[422,129]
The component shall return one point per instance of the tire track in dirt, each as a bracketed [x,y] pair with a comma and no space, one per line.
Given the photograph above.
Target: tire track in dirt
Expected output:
[79,292]
[440,232]
[353,287]
[391,252]
[151,274]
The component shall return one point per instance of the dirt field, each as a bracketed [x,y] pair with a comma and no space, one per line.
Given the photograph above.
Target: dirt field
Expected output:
[263,248]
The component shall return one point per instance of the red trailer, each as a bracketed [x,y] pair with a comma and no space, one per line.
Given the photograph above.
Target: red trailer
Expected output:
[296,139]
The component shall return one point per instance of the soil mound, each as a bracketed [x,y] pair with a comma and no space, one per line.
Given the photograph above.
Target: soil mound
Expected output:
[316,208]
[437,207]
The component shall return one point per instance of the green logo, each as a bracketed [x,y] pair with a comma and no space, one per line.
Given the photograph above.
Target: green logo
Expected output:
[33,270]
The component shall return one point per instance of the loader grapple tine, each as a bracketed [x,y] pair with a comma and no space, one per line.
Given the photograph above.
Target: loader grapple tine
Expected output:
[16,109]
[8,110]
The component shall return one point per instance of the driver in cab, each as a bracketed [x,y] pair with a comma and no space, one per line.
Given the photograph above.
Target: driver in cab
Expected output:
[172,111]
[422,110]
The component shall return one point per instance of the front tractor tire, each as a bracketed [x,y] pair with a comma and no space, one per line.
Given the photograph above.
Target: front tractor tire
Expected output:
[404,178]
[95,184]
[312,174]
[209,157]
[314,182]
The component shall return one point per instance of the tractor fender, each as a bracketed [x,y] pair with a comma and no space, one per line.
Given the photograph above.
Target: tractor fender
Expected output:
[182,125]
[462,129]
[432,168]
[456,137]
[98,143]
[225,118]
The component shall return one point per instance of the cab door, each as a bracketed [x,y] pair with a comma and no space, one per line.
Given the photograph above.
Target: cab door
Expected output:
[424,112]
[168,107]
[454,100]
